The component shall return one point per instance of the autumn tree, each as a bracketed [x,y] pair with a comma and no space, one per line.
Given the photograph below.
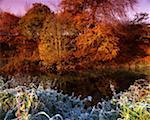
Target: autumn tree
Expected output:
[134,38]
[97,44]
[56,38]
[8,21]
[86,12]
[32,23]
[95,21]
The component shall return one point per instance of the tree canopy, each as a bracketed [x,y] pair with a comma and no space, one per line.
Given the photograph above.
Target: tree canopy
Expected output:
[98,9]
[83,32]
[95,21]
[56,38]
[32,23]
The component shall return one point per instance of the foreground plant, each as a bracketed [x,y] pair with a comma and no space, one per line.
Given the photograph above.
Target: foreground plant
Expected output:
[31,103]
[135,103]
[39,104]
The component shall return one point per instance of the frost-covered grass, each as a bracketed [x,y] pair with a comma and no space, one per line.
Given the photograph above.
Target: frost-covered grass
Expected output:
[31,103]
[38,104]
[135,103]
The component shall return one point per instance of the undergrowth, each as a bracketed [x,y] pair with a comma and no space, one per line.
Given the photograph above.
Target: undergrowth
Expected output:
[32,103]
[135,103]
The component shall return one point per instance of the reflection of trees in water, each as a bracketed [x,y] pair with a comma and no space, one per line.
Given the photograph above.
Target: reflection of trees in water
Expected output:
[98,84]
[93,84]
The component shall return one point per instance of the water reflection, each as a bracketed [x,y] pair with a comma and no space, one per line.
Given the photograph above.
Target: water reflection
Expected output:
[92,83]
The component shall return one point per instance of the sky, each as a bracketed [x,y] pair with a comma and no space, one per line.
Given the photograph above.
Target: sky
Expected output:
[19,7]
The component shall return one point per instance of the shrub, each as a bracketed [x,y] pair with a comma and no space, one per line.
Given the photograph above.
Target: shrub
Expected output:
[36,104]
[135,103]
[31,103]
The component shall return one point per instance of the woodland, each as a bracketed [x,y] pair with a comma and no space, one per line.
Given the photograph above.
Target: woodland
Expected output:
[87,48]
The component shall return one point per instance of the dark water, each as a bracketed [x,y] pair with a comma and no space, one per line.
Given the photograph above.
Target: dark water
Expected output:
[92,83]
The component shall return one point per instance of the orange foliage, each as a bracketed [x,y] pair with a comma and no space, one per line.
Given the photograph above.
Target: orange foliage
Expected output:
[98,9]
[98,44]
[95,22]
[80,34]
[7,21]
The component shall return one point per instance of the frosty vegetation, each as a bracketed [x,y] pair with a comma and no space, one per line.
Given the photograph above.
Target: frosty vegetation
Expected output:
[32,103]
